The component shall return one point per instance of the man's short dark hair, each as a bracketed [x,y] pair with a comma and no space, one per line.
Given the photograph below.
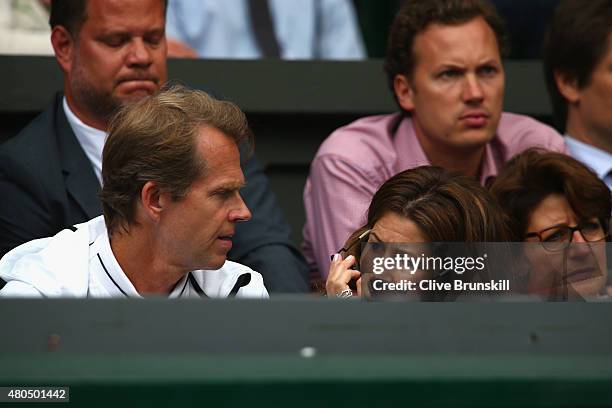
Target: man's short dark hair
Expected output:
[72,14]
[416,15]
[576,41]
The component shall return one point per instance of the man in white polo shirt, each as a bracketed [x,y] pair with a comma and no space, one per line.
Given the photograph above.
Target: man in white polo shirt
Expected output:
[113,52]
[171,178]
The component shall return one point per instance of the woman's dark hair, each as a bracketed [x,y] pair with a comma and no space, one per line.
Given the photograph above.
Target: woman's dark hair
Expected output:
[533,175]
[446,206]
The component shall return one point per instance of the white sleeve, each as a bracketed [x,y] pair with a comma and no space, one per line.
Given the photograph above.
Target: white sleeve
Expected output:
[14,289]
[255,289]
[259,283]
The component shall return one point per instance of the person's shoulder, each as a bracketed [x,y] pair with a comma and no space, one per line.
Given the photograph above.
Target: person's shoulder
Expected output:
[359,132]
[360,141]
[512,124]
[253,285]
[34,138]
[55,266]
[32,158]
[232,276]
[521,132]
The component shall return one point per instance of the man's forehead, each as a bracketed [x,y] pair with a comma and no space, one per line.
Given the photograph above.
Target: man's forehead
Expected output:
[220,154]
[223,177]
[442,40]
[124,15]
[607,52]
[217,146]
[234,180]
[213,139]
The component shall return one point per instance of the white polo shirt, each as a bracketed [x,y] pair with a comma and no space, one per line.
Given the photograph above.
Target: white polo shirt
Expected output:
[80,263]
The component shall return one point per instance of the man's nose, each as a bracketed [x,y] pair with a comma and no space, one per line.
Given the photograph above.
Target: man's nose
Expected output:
[139,53]
[241,212]
[472,89]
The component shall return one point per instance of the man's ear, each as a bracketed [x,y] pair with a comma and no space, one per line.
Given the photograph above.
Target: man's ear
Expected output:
[567,86]
[152,200]
[63,46]
[403,92]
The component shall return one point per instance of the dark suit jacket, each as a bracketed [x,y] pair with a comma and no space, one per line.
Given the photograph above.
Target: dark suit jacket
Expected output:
[47,184]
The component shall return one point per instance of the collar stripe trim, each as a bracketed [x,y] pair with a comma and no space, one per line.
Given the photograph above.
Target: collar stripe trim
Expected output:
[109,276]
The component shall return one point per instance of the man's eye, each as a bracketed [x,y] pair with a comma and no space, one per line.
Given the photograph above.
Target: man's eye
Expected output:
[154,39]
[114,41]
[449,74]
[225,193]
[487,70]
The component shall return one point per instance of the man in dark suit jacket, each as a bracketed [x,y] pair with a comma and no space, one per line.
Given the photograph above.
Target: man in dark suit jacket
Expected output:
[111,53]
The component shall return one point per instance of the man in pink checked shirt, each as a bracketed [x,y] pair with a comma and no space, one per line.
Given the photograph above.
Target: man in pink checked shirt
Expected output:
[444,65]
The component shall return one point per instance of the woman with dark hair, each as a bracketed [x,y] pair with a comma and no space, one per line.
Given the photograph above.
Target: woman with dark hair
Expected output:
[420,205]
[557,203]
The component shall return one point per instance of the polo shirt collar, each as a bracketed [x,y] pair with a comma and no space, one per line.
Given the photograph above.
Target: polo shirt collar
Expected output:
[115,281]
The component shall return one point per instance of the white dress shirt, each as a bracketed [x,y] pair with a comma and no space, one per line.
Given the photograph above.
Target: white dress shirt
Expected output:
[91,140]
[305,29]
[598,160]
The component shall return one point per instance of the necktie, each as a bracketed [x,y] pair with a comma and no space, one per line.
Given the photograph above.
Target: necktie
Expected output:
[263,28]
[608,179]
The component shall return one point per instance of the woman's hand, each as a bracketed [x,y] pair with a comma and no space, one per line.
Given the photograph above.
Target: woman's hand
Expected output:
[340,275]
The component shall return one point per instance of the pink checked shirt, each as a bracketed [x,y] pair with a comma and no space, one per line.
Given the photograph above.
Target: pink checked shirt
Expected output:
[355,160]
